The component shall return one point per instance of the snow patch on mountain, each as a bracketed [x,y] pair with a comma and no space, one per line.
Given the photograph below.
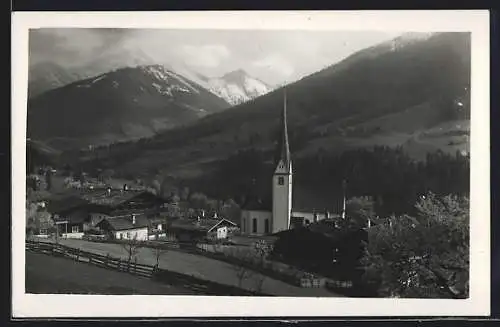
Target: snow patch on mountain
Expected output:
[237,87]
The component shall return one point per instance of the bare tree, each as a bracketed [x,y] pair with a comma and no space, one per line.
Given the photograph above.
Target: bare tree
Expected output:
[241,271]
[132,248]
[259,282]
[159,251]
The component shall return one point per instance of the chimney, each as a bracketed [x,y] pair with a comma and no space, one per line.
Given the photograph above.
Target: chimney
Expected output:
[108,191]
[133,219]
[125,187]
[369,222]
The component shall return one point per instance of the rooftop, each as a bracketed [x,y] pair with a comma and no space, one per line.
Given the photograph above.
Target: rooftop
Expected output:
[201,225]
[61,205]
[77,216]
[256,204]
[118,223]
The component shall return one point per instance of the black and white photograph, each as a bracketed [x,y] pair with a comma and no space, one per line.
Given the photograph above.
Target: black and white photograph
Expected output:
[253,163]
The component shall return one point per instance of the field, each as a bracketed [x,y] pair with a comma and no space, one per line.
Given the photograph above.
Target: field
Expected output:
[201,267]
[47,274]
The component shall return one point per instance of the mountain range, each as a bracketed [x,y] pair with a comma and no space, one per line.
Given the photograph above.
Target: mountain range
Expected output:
[124,104]
[411,92]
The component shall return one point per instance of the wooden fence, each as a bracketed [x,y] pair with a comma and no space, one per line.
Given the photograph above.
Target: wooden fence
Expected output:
[104,261]
[289,276]
[267,268]
[162,275]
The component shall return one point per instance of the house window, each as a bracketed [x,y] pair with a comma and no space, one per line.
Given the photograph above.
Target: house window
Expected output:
[74,229]
[266,226]
[254,225]
[281,180]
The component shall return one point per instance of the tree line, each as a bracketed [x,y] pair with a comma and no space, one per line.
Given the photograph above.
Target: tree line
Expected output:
[388,175]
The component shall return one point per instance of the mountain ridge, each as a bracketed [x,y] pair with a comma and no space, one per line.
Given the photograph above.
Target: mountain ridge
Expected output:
[126,103]
[354,103]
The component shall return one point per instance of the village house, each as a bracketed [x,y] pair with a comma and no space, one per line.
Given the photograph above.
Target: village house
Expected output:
[69,216]
[107,203]
[186,230]
[75,215]
[126,227]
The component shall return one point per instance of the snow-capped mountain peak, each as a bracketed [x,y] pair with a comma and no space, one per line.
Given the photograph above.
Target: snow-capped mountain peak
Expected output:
[237,87]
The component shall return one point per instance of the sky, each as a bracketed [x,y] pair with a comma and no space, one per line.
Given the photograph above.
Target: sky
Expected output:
[275,57]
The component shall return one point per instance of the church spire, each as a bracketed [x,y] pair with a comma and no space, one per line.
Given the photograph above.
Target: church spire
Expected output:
[284,145]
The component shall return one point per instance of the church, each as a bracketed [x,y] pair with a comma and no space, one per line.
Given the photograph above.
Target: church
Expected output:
[259,219]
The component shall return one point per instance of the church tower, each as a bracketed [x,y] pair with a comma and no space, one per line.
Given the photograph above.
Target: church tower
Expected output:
[282,180]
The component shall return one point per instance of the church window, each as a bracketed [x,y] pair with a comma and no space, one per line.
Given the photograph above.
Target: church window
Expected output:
[254,225]
[281,180]
[266,226]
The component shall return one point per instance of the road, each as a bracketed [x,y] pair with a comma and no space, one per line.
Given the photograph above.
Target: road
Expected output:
[201,267]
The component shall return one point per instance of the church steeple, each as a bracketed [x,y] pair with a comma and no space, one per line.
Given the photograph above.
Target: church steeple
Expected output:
[284,159]
[282,179]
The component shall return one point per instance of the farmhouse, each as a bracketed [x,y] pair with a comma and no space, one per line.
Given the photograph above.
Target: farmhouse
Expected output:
[201,228]
[127,227]
[69,216]
[261,218]
[112,202]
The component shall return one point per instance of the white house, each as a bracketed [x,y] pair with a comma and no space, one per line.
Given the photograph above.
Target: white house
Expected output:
[130,227]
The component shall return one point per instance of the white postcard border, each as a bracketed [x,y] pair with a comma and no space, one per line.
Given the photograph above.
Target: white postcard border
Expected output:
[67,306]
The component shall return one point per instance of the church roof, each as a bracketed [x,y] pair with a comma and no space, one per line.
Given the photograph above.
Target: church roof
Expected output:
[256,204]
[284,147]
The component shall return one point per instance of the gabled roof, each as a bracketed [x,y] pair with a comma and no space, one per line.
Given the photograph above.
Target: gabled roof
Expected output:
[204,225]
[65,204]
[223,220]
[124,222]
[78,216]
[256,204]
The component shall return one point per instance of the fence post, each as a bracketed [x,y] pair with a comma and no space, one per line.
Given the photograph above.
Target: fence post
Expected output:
[107,260]
[135,265]
[78,255]
[119,264]
[90,258]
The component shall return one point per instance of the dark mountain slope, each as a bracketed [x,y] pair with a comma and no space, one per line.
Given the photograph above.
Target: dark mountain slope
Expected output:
[416,83]
[125,104]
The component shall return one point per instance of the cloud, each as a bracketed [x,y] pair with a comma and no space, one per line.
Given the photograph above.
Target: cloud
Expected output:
[276,63]
[207,56]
